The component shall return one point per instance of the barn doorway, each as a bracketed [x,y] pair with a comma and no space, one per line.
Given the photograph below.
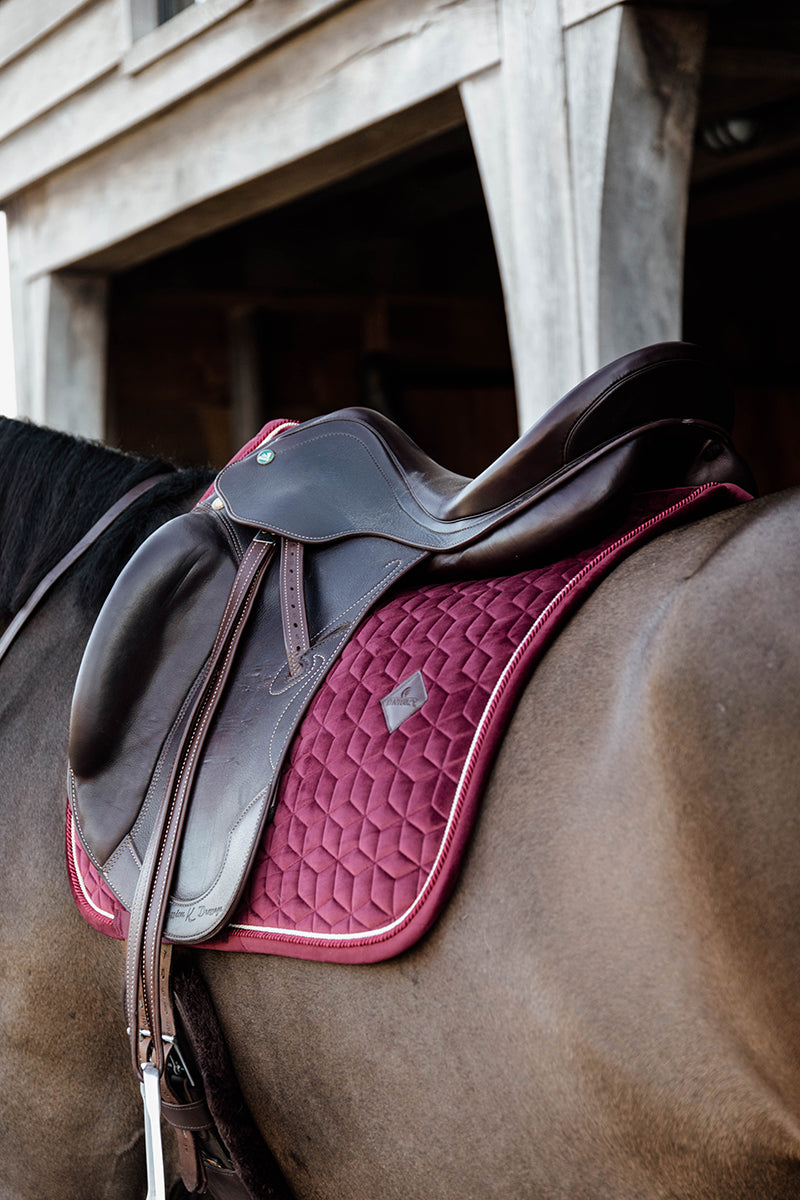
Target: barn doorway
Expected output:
[382,291]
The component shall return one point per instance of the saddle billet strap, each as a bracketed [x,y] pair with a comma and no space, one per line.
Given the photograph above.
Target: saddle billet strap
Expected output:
[150,902]
[63,565]
[293,604]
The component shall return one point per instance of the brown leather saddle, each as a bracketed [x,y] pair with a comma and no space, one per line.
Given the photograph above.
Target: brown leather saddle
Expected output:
[217,634]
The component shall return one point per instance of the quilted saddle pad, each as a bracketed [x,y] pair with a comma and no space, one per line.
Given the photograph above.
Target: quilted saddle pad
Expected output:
[383,781]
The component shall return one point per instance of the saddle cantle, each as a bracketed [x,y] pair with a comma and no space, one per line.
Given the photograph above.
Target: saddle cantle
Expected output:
[343,507]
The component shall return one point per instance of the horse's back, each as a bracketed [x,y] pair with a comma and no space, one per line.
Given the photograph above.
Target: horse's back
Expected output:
[608,1008]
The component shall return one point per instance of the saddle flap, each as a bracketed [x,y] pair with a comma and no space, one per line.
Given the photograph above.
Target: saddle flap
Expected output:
[145,651]
[143,667]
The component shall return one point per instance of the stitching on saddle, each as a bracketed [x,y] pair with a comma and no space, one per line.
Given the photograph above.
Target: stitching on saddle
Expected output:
[301,613]
[292,563]
[465,527]
[397,569]
[209,701]
[305,681]
[311,678]
[189,700]
[194,748]
[164,754]
[183,904]
[77,820]
[136,828]
[231,533]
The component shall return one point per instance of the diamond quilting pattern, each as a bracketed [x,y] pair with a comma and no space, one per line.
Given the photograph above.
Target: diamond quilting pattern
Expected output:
[370,825]
[386,796]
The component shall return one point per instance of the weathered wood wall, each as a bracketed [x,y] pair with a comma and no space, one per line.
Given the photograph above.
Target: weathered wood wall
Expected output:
[116,148]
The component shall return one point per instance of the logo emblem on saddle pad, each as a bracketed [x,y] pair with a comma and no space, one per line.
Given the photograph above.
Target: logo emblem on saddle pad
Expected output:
[406,699]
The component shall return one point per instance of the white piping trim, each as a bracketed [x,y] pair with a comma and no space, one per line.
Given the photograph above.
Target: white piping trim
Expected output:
[466,773]
[292,935]
[278,429]
[101,911]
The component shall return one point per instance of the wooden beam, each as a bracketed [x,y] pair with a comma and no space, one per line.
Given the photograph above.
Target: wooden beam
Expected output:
[23,23]
[66,338]
[81,51]
[124,102]
[305,98]
[574,11]
[517,118]
[364,149]
[584,141]
[634,79]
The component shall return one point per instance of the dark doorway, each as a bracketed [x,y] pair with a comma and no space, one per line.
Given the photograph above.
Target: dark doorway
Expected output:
[383,292]
[743,250]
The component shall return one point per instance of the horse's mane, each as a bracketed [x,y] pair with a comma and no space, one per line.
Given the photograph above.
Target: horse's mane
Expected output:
[53,487]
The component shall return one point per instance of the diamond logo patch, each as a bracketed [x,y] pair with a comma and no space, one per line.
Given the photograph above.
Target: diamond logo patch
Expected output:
[406,699]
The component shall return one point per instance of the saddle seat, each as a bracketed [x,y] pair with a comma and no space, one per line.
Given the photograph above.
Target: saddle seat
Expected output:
[654,413]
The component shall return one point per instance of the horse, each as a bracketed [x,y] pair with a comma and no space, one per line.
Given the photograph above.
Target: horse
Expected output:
[608,1008]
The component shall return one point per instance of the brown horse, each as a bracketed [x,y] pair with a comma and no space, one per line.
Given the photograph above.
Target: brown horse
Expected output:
[610,1005]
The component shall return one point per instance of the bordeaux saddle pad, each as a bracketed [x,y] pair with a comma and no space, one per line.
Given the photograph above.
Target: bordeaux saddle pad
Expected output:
[226,624]
[380,789]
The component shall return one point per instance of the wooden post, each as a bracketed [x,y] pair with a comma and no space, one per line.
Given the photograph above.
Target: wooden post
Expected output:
[633,80]
[517,117]
[583,137]
[63,376]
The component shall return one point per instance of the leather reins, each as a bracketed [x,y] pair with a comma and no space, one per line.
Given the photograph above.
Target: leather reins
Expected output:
[62,566]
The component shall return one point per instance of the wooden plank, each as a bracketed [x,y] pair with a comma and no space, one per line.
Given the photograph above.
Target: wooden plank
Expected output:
[592,52]
[79,52]
[163,39]
[25,22]
[355,153]
[574,11]
[67,337]
[124,101]
[366,65]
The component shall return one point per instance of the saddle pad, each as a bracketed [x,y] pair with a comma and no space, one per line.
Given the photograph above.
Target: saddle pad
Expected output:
[383,781]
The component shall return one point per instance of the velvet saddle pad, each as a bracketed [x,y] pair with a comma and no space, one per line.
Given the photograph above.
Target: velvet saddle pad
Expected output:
[382,784]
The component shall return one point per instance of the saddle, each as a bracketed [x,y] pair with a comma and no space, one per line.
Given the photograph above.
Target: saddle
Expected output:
[223,626]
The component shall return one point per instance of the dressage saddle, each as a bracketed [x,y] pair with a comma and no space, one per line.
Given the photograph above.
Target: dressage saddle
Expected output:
[219,631]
